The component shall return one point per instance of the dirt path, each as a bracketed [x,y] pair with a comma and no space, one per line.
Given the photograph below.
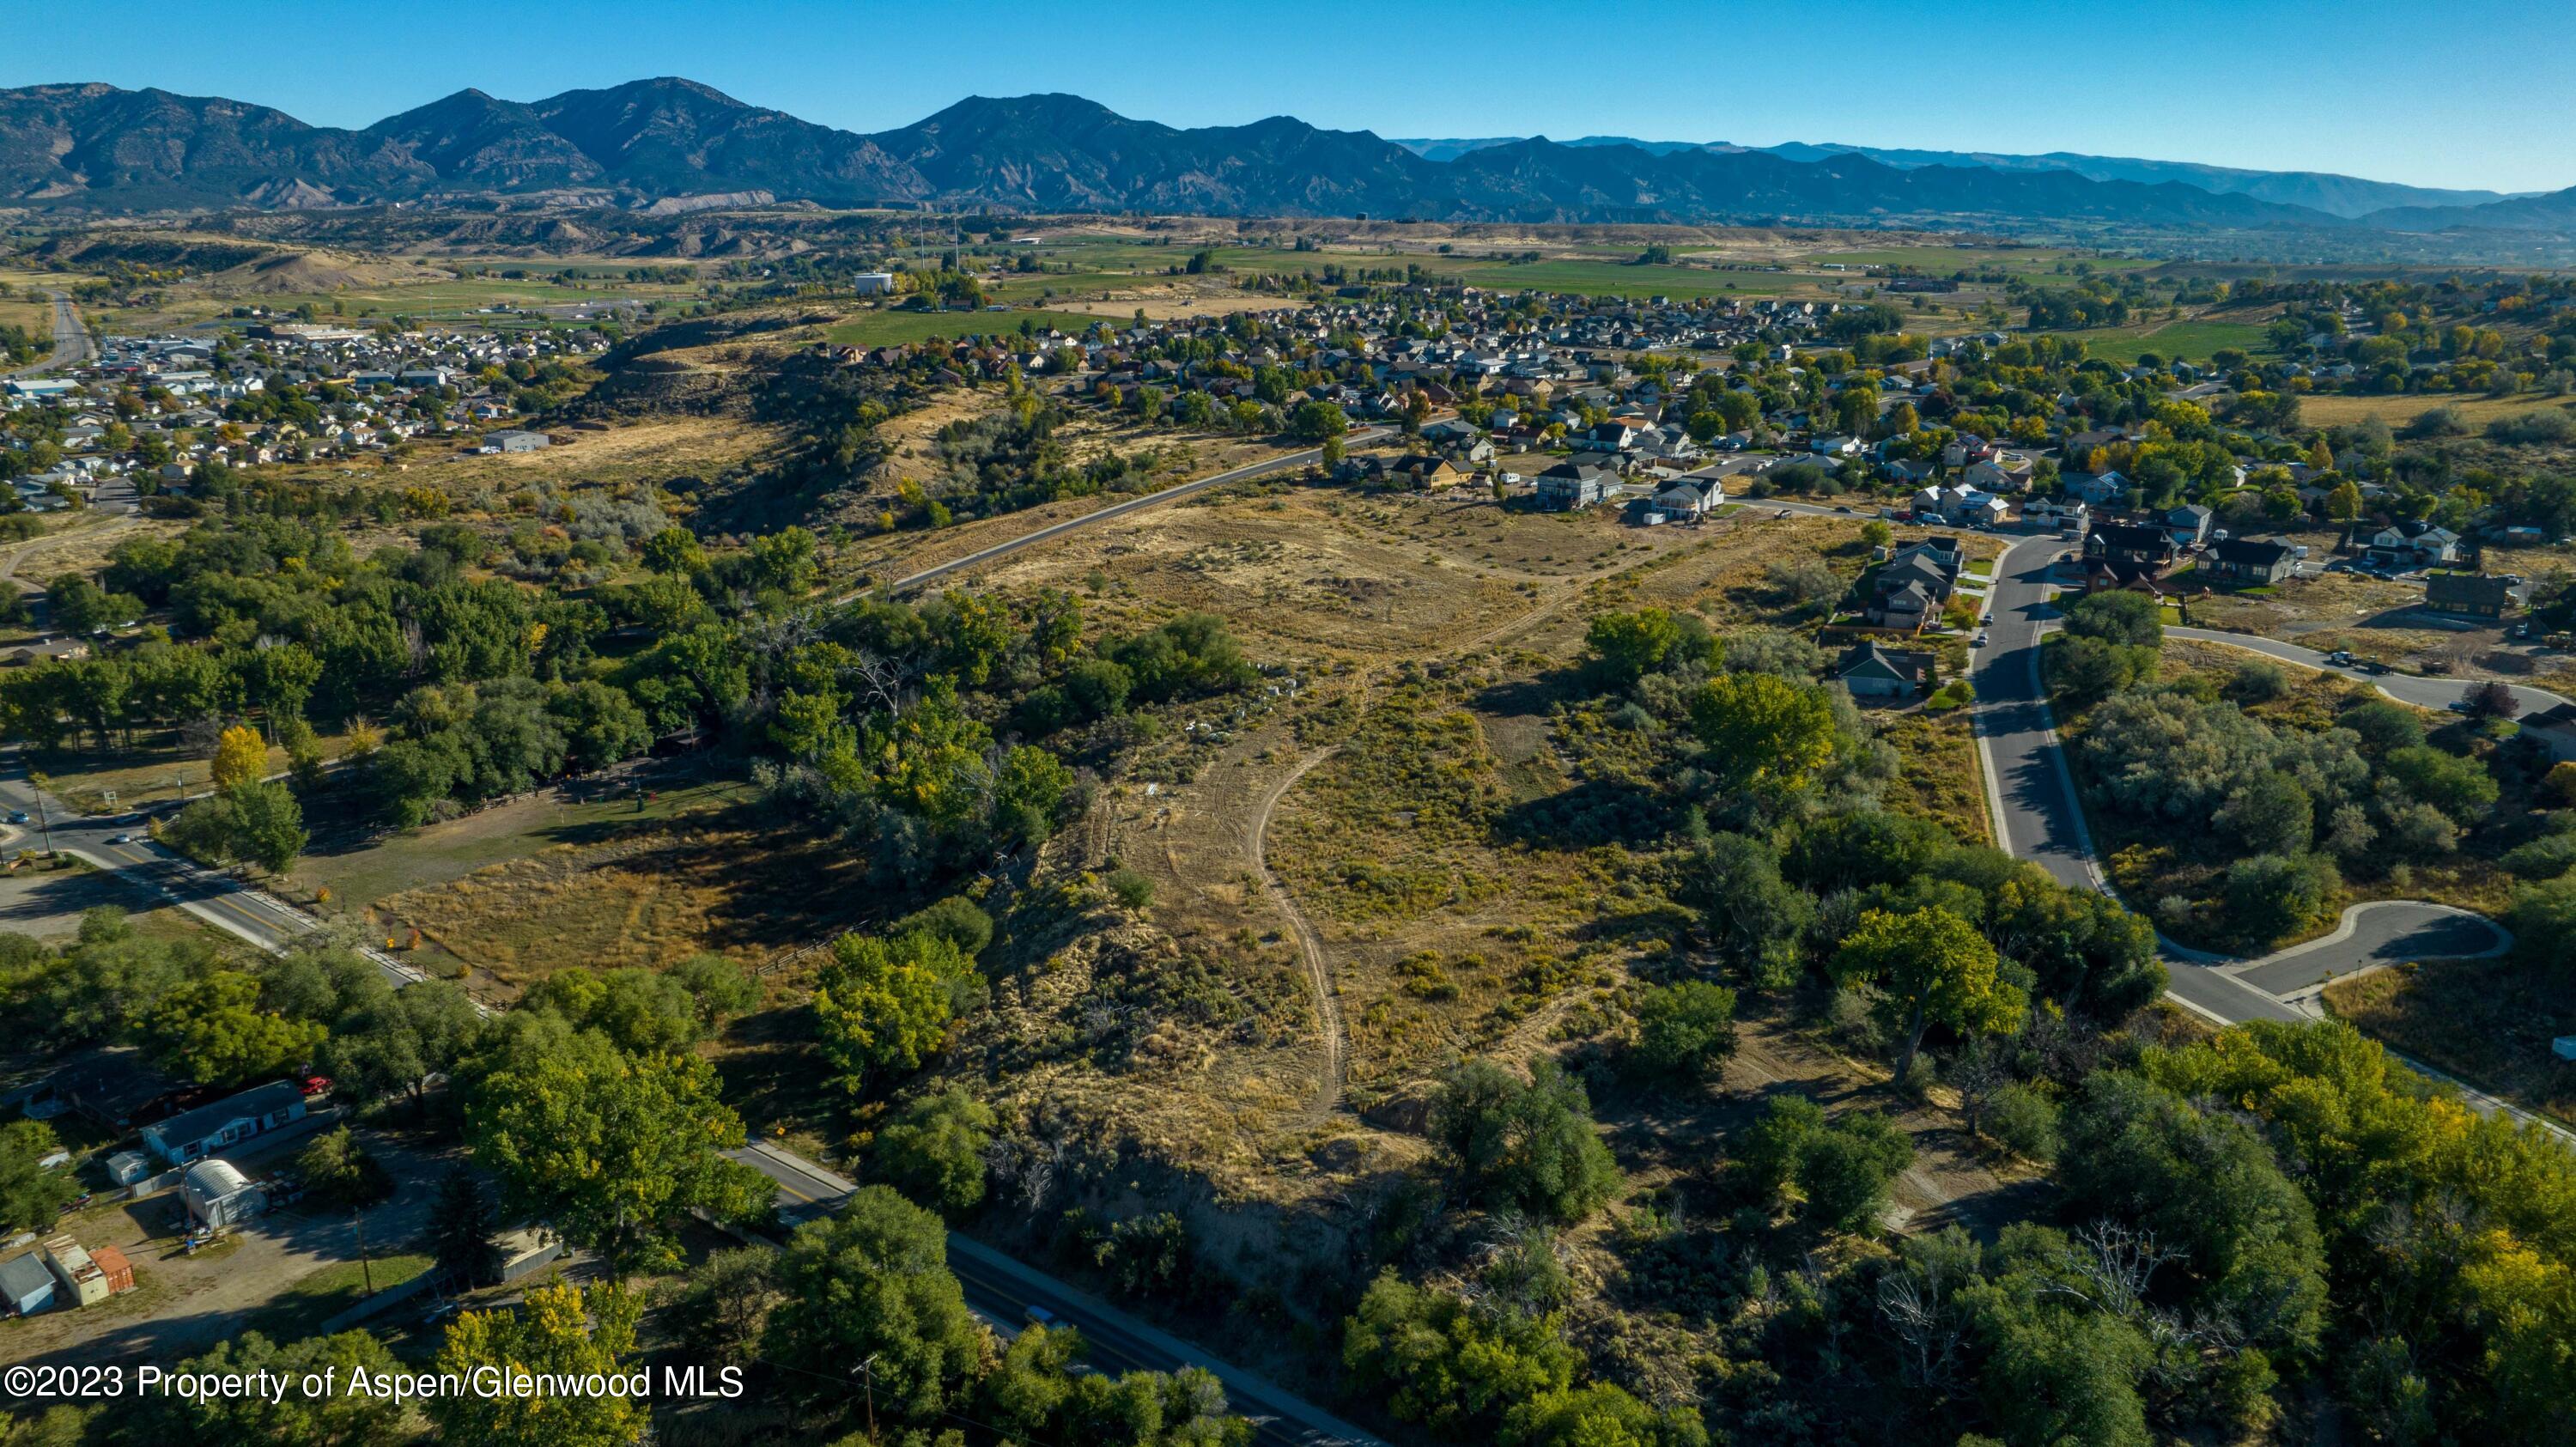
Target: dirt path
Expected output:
[1311,953]
[1310,944]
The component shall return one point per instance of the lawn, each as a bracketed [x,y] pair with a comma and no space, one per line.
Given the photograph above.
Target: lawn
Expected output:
[302,1308]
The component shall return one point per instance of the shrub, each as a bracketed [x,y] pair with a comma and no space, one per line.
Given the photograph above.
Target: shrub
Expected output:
[1685,1031]
[2023,1121]
[1133,891]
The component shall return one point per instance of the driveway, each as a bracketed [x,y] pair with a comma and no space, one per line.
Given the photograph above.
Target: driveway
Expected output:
[188,1303]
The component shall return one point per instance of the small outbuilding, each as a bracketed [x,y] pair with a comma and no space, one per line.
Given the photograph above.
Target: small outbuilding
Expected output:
[26,1287]
[84,1282]
[219,1195]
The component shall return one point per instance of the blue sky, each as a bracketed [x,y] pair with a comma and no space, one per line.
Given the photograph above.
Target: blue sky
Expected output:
[2400,90]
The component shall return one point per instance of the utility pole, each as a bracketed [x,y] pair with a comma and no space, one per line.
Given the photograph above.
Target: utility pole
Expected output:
[366,1268]
[867,1371]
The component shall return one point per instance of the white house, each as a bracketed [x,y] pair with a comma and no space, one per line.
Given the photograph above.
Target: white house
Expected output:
[195,1134]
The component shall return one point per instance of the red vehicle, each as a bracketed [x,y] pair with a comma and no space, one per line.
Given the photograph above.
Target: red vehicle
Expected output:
[316,1084]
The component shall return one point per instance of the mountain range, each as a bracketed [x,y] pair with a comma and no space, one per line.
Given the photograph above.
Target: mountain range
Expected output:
[92,146]
[2350,197]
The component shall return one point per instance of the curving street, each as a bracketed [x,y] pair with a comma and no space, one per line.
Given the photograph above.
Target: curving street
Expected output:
[71,341]
[2037,817]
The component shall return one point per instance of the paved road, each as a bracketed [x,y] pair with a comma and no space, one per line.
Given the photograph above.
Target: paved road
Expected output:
[995,1284]
[1003,1290]
[1174,493]
[2436,693]
[71,341]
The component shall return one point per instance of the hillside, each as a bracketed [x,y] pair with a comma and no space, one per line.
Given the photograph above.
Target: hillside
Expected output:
[98,147]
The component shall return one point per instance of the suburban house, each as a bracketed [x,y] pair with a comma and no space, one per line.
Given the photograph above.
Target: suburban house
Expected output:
[1904,608]
[26,1287]
[2412,545]
[2190,525]
[1962,505]
[1910,587]
[195,1134]
[1690,498]
[2101,489]
[1425,472]
[1835,446]
[1607,437]
[2067,519]
[2249,562]
[2468,595]
[2127,555]
[2003,472]
[1870,671]
[1570,485]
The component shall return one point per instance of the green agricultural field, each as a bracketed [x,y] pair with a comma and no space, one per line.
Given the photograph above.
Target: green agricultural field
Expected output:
[2034,262]
[886,328]
[1611,278]
[2191,341]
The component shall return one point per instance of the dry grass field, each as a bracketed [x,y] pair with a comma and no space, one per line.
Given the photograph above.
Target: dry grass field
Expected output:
[2398,409]
[2489,1021]
[647,894]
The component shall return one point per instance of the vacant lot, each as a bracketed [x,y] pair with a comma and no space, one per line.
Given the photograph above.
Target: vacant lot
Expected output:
[363,871]
[2399,409]
[648,895]
[2489,1021]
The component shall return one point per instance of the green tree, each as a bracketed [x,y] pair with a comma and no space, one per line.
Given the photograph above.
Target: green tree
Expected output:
[1845,1170]
[933,1150]
[268,825]
[2117,616]
[1599,1414]
[211,1030]
[1685,1031]
[1760,729]
[1314,421]
[613,1149]
[463,1231]
[1434,1360]
[558,1330]
[1620,648]
[872,1281]
[341,1417]
[341,1172]
[31,1193]
[1936,969]
[1523,1145]
[724,1305]
[884,1004]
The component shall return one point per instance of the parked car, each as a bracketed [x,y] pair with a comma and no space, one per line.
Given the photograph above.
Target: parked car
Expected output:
[17,816]
[1981,638]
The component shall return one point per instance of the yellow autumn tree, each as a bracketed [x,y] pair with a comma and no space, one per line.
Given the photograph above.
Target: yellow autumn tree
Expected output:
[240,758]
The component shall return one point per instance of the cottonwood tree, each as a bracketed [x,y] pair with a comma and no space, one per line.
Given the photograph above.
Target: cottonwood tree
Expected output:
[613,1149]
[1936,969]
